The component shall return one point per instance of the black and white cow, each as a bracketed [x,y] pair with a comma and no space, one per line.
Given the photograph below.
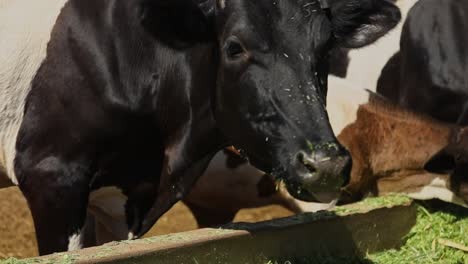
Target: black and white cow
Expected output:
[138,95]
[353,71]
[228,186]
[429,73]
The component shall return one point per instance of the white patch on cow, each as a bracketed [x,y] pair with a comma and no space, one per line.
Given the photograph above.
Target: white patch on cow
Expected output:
[25,28]
[75,242]
[107,205]
[438,189]
[222,4]
[131,236]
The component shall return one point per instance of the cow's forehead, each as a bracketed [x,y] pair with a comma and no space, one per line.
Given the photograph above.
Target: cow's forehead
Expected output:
[273,20]
[293,12]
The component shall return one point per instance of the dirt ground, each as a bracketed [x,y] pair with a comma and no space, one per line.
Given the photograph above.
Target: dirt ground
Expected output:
[17,237]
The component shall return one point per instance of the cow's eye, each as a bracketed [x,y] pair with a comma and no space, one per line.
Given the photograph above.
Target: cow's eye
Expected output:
[233,48]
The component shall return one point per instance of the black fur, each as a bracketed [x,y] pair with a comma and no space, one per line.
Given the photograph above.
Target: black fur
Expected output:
[140,94]
[429,74]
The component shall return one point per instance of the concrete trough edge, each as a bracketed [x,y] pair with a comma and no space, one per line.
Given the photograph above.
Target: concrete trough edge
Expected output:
[351,232]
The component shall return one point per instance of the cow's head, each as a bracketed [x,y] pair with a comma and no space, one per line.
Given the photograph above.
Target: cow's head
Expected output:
[272,81]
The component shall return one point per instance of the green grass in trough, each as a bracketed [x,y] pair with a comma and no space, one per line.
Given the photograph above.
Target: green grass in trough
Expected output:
[435,221]
[437,224]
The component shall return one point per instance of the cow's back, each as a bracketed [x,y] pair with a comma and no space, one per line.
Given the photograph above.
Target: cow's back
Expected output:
[434,37]
[429,73]
[389,142]
[25,28]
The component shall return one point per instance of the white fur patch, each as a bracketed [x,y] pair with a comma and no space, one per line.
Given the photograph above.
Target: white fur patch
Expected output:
[75,242]
[25,28]
[438,189]
[222,4]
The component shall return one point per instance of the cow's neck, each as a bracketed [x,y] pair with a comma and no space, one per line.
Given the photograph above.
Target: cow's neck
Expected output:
[137,73]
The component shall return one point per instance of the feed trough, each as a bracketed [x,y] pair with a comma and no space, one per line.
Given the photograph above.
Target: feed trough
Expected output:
[355,230]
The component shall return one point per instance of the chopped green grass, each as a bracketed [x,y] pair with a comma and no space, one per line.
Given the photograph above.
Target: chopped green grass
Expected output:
[439,236]
[436,223]
[372,203]
[61,258]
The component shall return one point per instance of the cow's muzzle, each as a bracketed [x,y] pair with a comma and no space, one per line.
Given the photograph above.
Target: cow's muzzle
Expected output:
[320,173]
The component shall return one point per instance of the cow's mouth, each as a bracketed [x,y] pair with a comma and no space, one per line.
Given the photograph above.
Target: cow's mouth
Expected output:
[302,194]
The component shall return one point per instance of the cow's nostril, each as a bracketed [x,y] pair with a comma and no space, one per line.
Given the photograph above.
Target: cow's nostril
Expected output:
[300,157]
[310,168]
[308,164]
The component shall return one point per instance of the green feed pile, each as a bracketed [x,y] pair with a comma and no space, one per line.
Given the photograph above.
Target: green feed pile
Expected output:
[440,236]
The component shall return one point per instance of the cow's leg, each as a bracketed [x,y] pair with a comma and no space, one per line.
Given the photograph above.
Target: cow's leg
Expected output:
[57,194]
[89,231]
[208,217]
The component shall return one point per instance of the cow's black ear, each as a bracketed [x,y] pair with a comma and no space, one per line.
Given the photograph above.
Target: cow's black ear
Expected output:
[442,162]
[179,23]
[357,23]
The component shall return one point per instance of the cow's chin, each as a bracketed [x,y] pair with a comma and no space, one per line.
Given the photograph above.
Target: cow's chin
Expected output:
[300,193]
[295,190]
[330,198]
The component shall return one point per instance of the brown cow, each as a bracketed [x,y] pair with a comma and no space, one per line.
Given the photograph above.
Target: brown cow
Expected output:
[389,147]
